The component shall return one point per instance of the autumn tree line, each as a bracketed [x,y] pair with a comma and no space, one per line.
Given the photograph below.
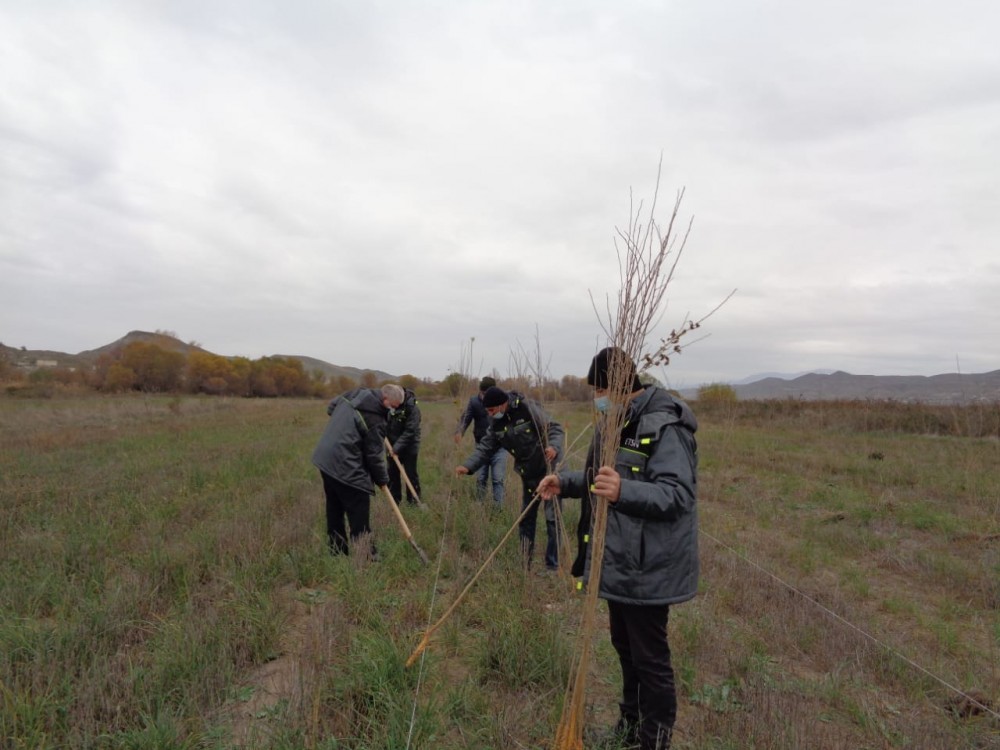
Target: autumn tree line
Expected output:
[149,368]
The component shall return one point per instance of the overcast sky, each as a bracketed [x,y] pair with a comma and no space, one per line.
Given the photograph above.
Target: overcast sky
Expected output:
[375,184]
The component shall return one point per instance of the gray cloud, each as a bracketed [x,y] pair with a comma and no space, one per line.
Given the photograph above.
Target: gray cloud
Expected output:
[376,184]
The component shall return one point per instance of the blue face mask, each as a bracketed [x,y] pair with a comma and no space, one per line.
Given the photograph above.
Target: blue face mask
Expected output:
[602,404]
[498,416]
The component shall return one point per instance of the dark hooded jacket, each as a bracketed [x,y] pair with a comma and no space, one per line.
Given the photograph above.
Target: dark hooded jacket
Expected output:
[403,428]
[474,414]
[651,542]
[352,449]
[524,431]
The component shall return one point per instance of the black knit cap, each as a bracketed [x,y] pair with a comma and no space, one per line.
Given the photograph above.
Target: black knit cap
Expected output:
[486,382]
[597,375]
[494,397]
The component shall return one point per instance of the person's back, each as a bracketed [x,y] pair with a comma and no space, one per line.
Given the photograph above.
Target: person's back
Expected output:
[350,446]
[350,456]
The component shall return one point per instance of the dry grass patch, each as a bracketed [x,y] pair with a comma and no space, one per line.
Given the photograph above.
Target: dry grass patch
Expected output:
[166,585]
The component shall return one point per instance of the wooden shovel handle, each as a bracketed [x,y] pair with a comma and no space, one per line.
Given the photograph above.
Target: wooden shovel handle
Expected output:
[402,524]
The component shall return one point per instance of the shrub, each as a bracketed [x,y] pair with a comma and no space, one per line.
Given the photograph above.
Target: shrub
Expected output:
[717,393]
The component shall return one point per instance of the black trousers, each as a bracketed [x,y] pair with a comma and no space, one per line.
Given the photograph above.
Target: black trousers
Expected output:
[649,698]
[350,503]
[396,483]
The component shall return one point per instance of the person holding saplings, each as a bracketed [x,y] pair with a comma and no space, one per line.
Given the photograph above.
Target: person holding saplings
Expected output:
[522,428]
[650,559]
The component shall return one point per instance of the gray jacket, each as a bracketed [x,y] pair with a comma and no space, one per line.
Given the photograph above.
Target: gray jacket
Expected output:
[651,543]
[351,448]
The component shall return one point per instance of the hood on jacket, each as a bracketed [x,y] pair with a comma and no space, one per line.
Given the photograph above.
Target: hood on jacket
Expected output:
[367,401]
[654,398]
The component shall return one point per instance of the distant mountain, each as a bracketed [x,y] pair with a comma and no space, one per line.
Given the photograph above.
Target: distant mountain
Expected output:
[33,358]
[779,375]
[952,388]
[312,365]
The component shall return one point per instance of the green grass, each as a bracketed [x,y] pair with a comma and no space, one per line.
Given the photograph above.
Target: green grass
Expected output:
[165,584]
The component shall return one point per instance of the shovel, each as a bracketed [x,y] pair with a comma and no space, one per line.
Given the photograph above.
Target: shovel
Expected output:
[402,473]
[406,529]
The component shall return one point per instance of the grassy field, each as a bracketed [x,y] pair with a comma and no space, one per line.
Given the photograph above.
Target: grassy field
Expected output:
[164,583]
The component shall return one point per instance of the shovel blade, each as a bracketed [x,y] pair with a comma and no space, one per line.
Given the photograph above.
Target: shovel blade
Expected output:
[420,552]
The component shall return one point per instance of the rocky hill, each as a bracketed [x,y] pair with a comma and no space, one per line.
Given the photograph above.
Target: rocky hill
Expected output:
[30,359]
[162,340]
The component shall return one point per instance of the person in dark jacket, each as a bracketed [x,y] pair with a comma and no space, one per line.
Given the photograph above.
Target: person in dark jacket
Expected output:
[350,457]
[403,433]
[522,428]
[493,471]
[651,544]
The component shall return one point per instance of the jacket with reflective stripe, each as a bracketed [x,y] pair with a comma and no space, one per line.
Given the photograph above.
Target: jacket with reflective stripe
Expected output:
[403,427]
[651,541]
[524,431]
